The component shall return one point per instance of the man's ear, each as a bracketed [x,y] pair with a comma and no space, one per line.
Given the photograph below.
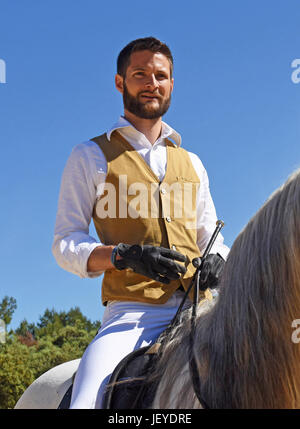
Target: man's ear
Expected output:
[172,84]
[119,83]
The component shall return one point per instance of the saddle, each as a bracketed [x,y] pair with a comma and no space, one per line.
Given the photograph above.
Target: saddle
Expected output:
[129,386]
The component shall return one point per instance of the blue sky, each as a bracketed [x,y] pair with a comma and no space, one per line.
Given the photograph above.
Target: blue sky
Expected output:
[234,103]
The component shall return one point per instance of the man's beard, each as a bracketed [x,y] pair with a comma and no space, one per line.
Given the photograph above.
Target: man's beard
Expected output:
[144,111]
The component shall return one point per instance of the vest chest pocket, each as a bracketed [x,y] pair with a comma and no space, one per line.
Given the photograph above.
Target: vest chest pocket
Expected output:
[179,199]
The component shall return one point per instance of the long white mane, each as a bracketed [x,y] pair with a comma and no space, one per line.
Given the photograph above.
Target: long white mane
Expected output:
[243,343]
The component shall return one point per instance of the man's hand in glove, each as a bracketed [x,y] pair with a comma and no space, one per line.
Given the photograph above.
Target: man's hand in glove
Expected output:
[211,271]
[157,263]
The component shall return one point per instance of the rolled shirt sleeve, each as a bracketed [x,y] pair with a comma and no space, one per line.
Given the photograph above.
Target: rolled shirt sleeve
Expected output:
[81,177]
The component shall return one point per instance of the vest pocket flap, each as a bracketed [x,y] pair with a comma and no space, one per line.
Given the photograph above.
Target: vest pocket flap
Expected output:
[187,179]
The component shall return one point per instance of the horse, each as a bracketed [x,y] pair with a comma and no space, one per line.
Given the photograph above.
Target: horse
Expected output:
[244,349]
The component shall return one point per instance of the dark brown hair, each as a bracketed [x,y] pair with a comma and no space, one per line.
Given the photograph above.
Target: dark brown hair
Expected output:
[147,43]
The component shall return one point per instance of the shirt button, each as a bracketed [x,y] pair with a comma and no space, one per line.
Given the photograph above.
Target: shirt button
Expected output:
[163,191]
[173,247]
[168,219]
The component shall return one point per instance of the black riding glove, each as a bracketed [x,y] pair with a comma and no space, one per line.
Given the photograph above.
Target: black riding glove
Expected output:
[154,262]
[211,271]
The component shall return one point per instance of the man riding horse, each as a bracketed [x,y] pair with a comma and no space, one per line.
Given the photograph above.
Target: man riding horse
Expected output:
[150,202]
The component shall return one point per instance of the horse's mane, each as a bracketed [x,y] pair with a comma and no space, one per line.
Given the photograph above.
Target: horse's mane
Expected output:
[245,354]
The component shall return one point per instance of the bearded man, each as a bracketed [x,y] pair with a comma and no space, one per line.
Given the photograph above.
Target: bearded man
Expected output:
[153,213]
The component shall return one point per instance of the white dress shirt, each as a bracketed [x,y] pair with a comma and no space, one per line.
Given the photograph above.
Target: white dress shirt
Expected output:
[83,181]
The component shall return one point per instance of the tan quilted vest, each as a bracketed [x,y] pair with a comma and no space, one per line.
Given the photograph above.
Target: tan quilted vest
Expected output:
[136,208]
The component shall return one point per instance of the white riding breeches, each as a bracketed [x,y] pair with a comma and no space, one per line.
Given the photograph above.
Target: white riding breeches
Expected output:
[126,326]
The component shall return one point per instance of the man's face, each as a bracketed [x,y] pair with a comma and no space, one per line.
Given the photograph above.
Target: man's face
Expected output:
[147,86]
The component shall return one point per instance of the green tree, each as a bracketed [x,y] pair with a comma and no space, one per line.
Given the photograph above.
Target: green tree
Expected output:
[52,321]
[33,349]
[7,308]
[15,373]
[25,327]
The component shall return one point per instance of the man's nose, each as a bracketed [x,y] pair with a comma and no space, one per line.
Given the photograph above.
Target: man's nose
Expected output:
[152,82]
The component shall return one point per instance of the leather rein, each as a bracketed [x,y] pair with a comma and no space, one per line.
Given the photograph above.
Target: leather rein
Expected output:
[195,282]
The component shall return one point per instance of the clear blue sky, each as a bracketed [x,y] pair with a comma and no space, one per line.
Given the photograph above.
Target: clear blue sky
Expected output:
[234,104]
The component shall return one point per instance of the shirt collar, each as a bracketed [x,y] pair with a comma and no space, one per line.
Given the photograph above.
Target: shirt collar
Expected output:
[166,132]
